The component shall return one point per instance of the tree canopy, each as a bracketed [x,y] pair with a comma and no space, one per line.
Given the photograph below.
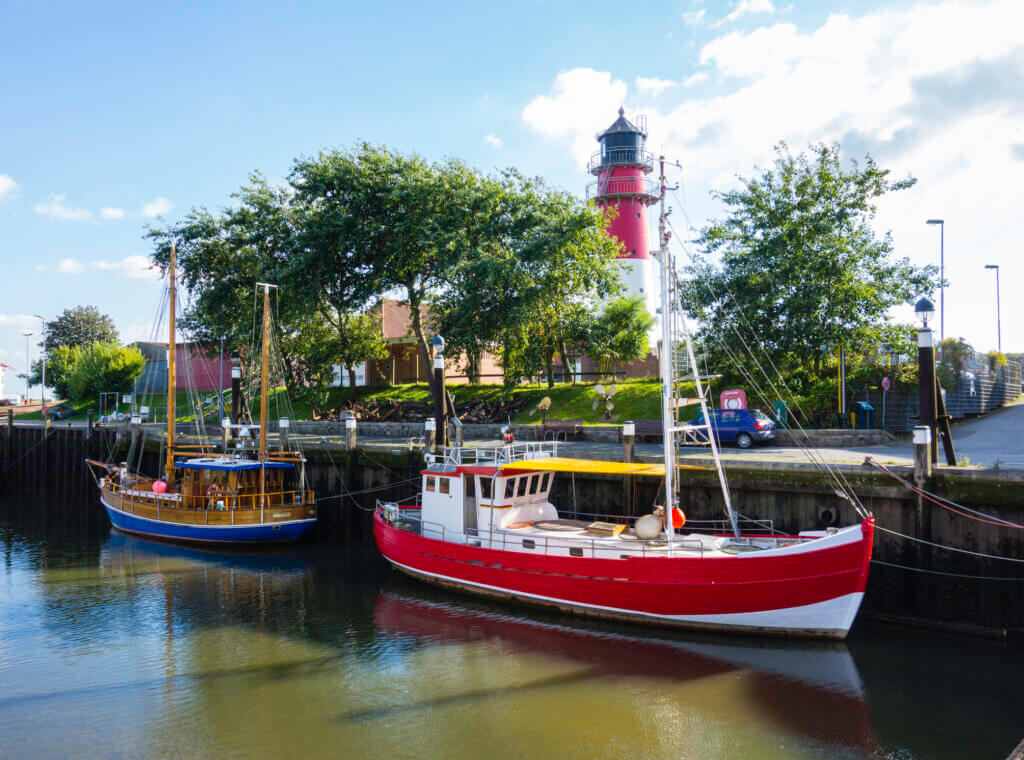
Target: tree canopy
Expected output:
[80,326]
[496,257]
[795,264]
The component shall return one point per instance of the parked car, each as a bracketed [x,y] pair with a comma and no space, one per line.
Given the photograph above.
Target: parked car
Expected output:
[60,412]
[744,427]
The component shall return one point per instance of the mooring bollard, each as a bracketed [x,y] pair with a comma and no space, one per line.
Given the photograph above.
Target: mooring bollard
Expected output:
[88,426]
[429,432]
[922,454]
[351,428]
[283,425]
[628,441]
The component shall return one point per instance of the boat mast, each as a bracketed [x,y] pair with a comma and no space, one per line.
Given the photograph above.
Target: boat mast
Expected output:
[172,350]
[265,361]
[671,315]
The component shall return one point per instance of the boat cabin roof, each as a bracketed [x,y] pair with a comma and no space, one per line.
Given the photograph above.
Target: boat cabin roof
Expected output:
[230,465]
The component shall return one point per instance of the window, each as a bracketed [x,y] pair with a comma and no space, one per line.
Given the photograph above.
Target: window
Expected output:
[523,483]
[576,551]
[533,483]
[528,543]
[430,484]
[510,488]
[545,481]
[443,485]
[485,488]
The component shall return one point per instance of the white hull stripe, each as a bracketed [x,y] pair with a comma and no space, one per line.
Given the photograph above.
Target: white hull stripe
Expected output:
[831,615]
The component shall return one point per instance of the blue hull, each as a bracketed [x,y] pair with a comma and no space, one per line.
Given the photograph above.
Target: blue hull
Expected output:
[227,534]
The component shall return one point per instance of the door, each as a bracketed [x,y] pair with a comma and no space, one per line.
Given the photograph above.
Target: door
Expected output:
[468,504]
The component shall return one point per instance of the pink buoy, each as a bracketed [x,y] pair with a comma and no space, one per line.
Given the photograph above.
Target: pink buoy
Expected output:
[159,486]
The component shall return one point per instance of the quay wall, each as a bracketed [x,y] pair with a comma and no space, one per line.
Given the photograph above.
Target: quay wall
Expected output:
[936,594]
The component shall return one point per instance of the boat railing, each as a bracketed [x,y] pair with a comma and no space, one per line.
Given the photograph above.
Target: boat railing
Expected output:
[748,525]
[495,455]
[222,501]
[579,546]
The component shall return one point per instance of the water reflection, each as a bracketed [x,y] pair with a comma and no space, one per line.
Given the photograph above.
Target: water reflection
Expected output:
[113,645]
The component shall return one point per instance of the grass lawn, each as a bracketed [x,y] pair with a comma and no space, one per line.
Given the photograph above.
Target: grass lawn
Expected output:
[634,399]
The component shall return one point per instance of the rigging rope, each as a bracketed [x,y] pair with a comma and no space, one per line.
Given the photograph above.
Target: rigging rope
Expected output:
[942,572]
[948,548]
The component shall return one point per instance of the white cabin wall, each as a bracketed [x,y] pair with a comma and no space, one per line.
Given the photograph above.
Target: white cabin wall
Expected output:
[440,507]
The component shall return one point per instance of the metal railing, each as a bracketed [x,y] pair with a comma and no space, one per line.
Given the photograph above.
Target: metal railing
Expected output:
[644,188]
[230,501]
[621,157]
[495,455]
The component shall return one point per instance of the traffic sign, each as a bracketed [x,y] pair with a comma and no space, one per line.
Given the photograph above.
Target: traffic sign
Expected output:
[885,384]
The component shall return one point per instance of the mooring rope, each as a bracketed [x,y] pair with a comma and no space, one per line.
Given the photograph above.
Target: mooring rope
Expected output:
[942,572]
[945,503]
[948,548]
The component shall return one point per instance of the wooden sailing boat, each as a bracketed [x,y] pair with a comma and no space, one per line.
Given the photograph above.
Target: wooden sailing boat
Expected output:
[208,497]
[484,524]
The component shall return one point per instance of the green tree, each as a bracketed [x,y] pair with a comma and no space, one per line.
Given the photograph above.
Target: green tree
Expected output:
[800,269]
[618,334]
[80,326]
[104,367]
[60,363]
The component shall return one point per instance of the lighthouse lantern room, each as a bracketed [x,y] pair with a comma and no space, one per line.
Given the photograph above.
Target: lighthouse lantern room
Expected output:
[621,166]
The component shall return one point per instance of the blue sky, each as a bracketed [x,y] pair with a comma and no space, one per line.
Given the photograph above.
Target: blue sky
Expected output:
[113,114]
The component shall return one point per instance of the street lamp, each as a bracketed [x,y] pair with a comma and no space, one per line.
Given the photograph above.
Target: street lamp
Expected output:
[942,277]
[441,427]
[43,334]
[999,326]
[28,334]
[924,309]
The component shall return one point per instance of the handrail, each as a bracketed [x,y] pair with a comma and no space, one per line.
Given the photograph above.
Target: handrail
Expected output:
[231,501]
[647,189]
[512,452]
[620,157]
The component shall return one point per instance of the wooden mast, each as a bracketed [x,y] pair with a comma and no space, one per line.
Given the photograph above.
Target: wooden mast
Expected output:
[263,389]
[172,350]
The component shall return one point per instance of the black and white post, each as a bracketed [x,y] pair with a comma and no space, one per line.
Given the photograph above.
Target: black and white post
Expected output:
[928,413]
[440,423]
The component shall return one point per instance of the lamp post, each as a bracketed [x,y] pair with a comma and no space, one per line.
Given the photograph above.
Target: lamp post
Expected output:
[28,370]
[924,309]
[441,433]
[999,326]
[942,277]
[42,388]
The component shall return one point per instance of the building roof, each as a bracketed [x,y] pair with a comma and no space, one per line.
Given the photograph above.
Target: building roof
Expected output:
[621,124]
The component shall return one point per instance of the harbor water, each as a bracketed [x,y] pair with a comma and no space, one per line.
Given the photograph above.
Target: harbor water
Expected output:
[114,646]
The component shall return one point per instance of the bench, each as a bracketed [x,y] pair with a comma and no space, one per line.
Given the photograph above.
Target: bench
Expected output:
[649,429]
[562,429]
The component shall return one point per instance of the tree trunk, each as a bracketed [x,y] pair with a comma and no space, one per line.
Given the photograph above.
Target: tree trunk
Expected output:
[473,367]
[566,367]
[415,320]
[549,365]
[351,375]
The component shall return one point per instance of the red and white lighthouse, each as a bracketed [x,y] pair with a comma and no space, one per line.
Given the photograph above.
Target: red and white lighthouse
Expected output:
[620,167]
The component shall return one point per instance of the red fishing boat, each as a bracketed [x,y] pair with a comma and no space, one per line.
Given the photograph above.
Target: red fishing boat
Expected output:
[484,523]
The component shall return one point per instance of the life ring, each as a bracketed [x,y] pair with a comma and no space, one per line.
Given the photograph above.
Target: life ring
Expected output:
[519,525]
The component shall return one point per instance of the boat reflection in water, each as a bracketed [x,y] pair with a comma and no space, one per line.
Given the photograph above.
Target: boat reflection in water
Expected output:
[802,689]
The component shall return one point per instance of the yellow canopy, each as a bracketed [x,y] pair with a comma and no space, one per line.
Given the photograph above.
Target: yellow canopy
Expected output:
[592,467]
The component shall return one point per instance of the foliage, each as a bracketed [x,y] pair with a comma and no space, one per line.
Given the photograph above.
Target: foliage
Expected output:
[104,367]
[800,269]
[80,326]
[996,360]
[60,361]
[954,353]
[618,335]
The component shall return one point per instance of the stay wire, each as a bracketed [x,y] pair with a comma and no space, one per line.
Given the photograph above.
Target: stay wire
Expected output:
[948,548]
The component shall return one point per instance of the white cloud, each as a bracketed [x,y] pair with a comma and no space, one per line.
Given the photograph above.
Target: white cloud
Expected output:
[653,85]
[66,266]
[694,18]
[18,321]
[8,186]
[55,209]
[579,97]
[494,141]
[132,267]
[158,207]
[696,78]
[744,7]
[932,90]
[112,213]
